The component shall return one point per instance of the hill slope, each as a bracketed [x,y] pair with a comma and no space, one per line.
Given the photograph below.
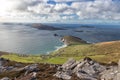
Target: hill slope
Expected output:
[104,52]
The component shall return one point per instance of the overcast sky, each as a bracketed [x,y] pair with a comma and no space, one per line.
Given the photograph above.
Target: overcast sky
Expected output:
[67,11]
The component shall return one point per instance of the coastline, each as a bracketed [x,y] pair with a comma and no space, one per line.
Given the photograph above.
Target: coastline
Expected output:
[57,48]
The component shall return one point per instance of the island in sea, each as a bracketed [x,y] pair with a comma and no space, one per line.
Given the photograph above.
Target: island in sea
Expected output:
[45,27]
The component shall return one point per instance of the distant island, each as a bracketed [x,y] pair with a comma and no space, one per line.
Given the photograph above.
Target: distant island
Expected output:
[45,27]
[85,26]
[79,30]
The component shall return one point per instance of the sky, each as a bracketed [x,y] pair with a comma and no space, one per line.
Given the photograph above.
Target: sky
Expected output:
[60,11]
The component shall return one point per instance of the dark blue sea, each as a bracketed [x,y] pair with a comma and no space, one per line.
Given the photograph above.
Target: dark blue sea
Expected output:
[23,39]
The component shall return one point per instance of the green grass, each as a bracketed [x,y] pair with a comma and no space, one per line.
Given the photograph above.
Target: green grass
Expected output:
[101,52]
[26,59]
[105,52]
[61,60]
[57,60]
[76,50]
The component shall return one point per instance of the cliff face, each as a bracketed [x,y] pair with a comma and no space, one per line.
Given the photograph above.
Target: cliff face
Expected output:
[45,27]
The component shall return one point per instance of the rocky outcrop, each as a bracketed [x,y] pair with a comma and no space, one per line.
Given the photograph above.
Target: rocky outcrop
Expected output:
[65,71]
[4,68]
[10,70]
[86,69]
[28,70]
[112,73]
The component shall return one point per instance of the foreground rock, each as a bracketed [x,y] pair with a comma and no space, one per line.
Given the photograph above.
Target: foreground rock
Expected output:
[5,78]
[86,69]
[4,68]
[10,70]
[112,73]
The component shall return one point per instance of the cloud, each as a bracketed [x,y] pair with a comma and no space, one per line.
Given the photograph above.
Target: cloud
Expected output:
[72,0]
[99,9]
[65,0]
[41,10]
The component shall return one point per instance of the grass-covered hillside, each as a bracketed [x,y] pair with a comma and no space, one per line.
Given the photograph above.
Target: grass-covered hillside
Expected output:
[104,52]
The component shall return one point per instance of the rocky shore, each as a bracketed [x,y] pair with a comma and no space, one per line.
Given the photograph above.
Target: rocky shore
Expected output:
[86,69]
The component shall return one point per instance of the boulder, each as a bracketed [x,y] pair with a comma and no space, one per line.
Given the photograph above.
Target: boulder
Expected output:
[65,71]
[69,65]
[63,75]
[9,68]
[34,75]
[3,61]
[5,78]
[88,69]
[117,77]
[32,67]
[119,65]
[85,76]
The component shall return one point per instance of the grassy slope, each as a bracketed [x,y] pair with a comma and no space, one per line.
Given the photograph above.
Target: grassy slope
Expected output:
[104,52]
[24,59]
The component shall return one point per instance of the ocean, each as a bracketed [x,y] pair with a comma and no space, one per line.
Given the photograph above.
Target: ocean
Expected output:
[23,39]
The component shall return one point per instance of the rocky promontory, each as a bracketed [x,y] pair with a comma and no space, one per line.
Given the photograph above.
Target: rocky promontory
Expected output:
[71,40]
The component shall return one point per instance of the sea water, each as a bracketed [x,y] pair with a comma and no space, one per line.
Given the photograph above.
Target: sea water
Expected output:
[23,39]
